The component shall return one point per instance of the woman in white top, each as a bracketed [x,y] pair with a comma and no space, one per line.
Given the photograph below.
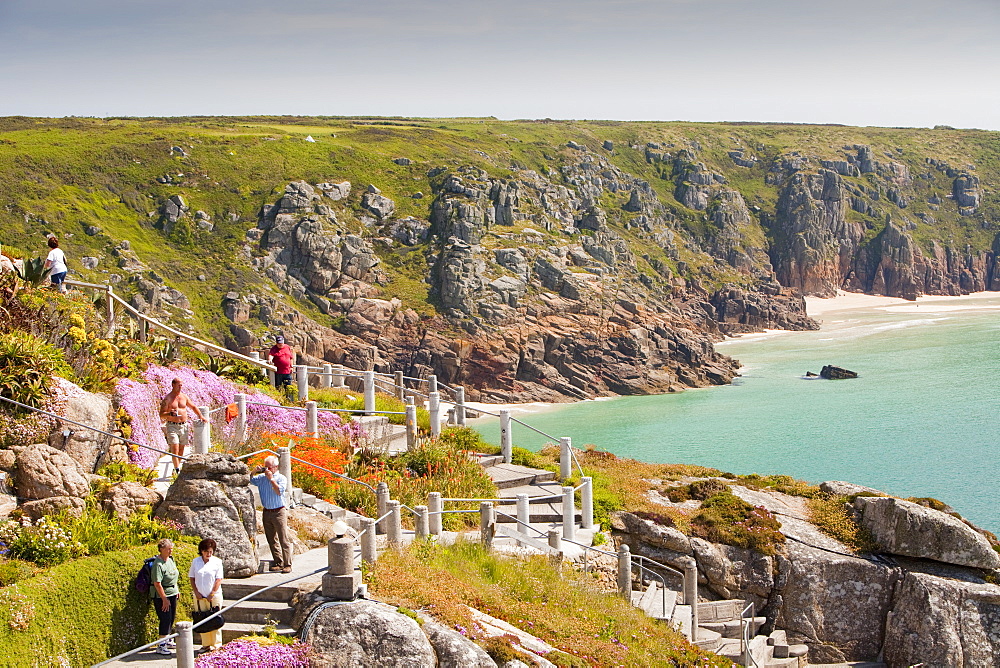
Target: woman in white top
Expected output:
[56,264]
[206,581]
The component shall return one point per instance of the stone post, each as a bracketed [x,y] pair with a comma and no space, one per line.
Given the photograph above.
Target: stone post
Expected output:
[312,419]
[369,377]
[523,511]
[400,388]
[411,426]
[555,542]
[143,330]
[203,432]
[435,506]
[241,417]
[368,551]
[326,379]
[691,593]
[110,314]
[421,525]
[460,406]
[382,505]
[185,645]
[394,532]
[625,572]
[338,376]
[506,439]
[341,580]
[565,458]
[302,380]
[487,524]
[285,469]
[432,383]
[569,514]
[587,503]
[434,408]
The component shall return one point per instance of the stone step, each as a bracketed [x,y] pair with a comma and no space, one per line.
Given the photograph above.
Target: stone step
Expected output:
[259,612]
[681,619]
[486,460]
[733,628]
[708,640]
[233,590]
[658,603]
[505,476]
[236,630]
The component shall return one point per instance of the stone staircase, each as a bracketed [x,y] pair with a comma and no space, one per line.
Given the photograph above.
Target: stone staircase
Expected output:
[271,607]
[720,628]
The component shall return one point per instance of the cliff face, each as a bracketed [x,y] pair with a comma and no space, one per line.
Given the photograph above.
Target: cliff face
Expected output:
[532,260]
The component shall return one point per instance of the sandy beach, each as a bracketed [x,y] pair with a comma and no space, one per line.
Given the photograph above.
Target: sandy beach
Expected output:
[847,301]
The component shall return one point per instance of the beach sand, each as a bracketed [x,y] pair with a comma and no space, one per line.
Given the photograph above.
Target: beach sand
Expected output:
[848,301]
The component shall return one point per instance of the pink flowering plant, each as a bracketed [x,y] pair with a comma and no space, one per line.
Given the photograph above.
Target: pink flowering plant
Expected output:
[259,652]
[141,400]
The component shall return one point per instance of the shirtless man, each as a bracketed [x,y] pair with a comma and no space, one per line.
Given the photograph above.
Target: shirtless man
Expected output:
[173,412]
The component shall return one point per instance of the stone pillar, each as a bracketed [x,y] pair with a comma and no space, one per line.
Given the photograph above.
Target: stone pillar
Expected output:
[506,438]
[460,406]
[555,542]
[523,511]
[326,378]
[400,389]
[369,377]
[411,426]
[185,645]
[691,593]
[587,503]
[432,383]
[203,432]
[302,380]
[487,524]
[285,469]
[382,505]
[312,419]
[341,580]
[625,572]
[143,330]
[241,417]
[421,526]
[434,408]
[338,376]
[569,514]
[368,551]
[565,458]
[434,506]
[110,310]
[394,531]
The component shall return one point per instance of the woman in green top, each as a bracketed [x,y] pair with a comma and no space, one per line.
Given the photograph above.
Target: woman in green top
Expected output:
[164,592]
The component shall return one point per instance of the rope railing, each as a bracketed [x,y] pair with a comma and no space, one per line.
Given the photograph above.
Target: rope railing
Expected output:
[212,616]
[86,426]
[156,323]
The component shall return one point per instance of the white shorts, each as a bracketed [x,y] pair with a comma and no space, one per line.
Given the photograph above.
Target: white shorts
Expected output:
[176,432]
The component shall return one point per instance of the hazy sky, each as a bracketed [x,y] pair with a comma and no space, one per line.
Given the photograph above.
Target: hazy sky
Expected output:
[858,62]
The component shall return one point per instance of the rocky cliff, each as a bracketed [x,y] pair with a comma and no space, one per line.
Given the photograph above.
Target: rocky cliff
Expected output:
[528,260]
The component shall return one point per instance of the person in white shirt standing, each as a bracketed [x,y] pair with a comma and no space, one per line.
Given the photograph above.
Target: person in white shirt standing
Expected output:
[206,581]
[56,264]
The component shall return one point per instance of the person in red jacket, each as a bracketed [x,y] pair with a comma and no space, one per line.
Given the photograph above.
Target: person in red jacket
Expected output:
[280,355]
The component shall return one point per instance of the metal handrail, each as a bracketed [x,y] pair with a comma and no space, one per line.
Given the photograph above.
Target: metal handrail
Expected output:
[328,410]
[339,475]
[537,431]
[212,616]
[748,659]
[524,524]
[86,426]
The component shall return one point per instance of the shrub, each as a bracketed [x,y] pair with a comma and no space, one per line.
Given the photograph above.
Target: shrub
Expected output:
[725,518]
[15,570]
[85,610]
[699,489]
[257,651]
[99,532]
[43,542]
[832,515]
[27,365]
[127,472]
[345,398]
[785,484]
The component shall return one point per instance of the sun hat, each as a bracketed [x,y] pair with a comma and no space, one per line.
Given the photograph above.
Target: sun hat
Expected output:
[279,339]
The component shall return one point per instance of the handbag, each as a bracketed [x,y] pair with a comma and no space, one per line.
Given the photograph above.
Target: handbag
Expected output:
[201,626]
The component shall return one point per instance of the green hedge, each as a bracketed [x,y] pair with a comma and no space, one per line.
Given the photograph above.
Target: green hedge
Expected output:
[85,610]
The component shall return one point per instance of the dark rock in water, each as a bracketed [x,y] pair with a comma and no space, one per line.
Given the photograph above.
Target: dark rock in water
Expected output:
[811,374]
[831,372]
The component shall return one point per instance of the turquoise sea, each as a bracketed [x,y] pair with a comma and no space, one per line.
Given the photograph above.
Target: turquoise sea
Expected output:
[923,418]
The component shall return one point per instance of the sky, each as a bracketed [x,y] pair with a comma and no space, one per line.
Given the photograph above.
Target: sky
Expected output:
[912,63]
